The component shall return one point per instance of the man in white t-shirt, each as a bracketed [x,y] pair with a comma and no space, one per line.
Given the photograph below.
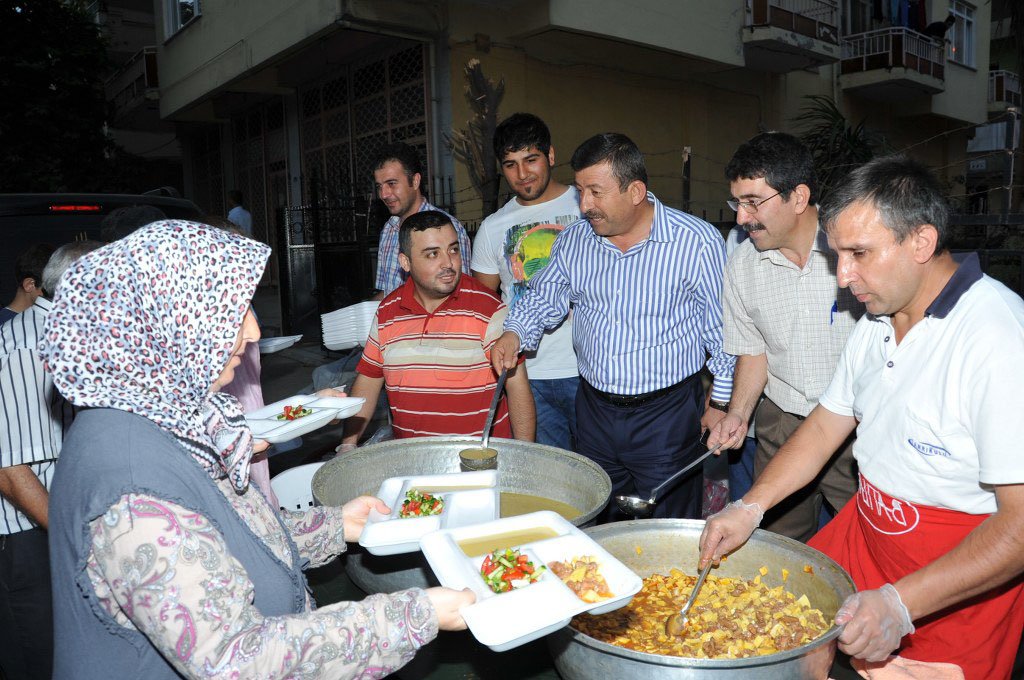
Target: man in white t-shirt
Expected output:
[241,217]
[930,378]
[514,244]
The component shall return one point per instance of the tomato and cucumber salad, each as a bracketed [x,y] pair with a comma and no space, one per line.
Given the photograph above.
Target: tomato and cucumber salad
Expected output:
[508,569]
[420,504]
[293,412]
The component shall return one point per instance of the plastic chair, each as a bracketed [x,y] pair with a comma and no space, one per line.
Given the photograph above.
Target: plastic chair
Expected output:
[294,487]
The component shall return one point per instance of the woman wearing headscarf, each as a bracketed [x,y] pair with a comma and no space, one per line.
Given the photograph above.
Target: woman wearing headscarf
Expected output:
[165,559]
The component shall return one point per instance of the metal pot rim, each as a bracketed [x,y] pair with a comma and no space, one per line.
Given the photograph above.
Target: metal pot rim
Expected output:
[691,662]
[368,453]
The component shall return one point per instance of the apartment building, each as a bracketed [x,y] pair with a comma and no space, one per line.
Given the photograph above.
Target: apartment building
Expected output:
[289,100]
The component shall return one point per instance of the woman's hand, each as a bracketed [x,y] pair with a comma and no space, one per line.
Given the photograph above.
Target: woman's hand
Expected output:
[447,603]
[332,392]
[260,445]
[355,512]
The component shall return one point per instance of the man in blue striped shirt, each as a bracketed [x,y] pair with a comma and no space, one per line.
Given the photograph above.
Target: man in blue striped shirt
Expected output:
[644,284]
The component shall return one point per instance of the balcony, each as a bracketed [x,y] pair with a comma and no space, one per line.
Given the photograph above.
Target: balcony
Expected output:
[892,65]
[785,35]
[134,90]
[1003,91]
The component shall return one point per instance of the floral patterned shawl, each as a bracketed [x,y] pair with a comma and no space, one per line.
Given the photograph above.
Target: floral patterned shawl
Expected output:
[147,323]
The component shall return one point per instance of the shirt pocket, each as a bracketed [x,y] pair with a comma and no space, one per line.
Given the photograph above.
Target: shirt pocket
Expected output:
[936,445]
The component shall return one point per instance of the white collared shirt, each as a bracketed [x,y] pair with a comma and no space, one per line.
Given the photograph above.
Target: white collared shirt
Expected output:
[941,414]
[798,318]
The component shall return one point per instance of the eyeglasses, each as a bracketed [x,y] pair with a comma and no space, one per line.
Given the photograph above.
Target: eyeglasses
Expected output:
[750,206]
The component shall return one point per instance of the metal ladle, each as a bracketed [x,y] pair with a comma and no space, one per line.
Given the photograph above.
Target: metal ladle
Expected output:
[480,457]
[676,624]
[638,507]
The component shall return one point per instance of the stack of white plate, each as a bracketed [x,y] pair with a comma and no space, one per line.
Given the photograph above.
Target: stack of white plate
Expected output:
[271,345]
[348,327]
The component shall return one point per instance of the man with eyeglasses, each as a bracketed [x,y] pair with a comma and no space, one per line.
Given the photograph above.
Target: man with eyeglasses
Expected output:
[785,319]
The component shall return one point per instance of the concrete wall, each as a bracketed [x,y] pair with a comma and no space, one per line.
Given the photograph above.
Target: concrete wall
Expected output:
[228,40]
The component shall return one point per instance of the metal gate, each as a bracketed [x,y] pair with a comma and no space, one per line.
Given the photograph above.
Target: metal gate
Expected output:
[329,261]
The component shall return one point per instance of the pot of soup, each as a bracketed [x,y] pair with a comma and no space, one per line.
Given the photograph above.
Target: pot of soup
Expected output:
[765,614]
[531,477]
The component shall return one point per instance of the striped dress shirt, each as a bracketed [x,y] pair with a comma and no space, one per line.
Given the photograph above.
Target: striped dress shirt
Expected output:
[642,320]
[390,274]
[35,416]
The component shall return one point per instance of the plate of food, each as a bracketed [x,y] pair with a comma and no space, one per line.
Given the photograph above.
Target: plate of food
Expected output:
[426,503]
[299,415]
[531,574]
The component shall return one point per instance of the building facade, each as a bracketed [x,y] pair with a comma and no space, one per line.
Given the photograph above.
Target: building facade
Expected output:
[288,101]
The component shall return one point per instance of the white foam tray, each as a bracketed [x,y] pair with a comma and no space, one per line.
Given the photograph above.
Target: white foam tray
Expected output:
[507,620]
[271,345]
[390,535]
[265,425]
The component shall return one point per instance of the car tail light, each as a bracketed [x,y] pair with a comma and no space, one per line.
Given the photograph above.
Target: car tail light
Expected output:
[66,207]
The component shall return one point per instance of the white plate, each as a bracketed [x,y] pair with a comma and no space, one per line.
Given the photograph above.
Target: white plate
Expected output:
[346,406]
[507,620]
[265,425]
[476,501]
[339,346]
[271,345]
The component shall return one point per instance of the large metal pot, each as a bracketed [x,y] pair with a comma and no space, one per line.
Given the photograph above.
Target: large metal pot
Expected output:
[523,467]
[667,543]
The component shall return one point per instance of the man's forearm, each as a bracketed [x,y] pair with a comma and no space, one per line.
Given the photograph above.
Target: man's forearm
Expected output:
[747,384]
[368,389]
[20,486]
[522,412]
[801,458]
[992,554]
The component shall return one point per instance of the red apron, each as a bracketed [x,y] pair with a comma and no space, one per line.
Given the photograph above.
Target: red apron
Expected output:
[880,539]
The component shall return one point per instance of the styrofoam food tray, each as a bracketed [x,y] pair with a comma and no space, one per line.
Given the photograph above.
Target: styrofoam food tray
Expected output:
[339,346]
[265,425]
[271,345]
[391,535]
[506,620]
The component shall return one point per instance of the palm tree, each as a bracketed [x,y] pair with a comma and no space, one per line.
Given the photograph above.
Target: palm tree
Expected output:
[836,146]
[472,145]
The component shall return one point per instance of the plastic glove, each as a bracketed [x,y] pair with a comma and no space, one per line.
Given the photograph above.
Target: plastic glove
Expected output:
[876,621]
[727,530]
[730,432]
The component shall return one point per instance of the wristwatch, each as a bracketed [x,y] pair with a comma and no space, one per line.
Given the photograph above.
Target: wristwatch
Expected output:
[719,405]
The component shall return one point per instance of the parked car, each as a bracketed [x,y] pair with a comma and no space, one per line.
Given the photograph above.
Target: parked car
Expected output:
[60,218]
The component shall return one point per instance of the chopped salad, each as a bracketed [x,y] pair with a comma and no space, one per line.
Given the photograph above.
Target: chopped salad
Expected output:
[508,569]
[293,412]
[420,504]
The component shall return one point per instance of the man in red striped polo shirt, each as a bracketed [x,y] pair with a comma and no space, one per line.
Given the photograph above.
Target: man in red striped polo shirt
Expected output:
[430,347]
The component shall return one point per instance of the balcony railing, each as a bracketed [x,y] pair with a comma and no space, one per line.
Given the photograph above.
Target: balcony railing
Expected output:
[1004,86]
[813,18]
[890,48]
[135,80]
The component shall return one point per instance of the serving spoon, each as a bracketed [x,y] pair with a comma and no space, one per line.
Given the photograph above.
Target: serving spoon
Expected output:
[638,507]
[676,624]
[479,454]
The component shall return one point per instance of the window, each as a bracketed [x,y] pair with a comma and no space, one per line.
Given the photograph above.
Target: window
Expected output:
[960,45]
[857,17]
[179,13]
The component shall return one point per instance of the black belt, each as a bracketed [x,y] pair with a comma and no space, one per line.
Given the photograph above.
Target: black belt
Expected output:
[634,400]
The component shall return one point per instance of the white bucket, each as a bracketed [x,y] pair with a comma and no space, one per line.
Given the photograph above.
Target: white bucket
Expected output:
[294,488]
